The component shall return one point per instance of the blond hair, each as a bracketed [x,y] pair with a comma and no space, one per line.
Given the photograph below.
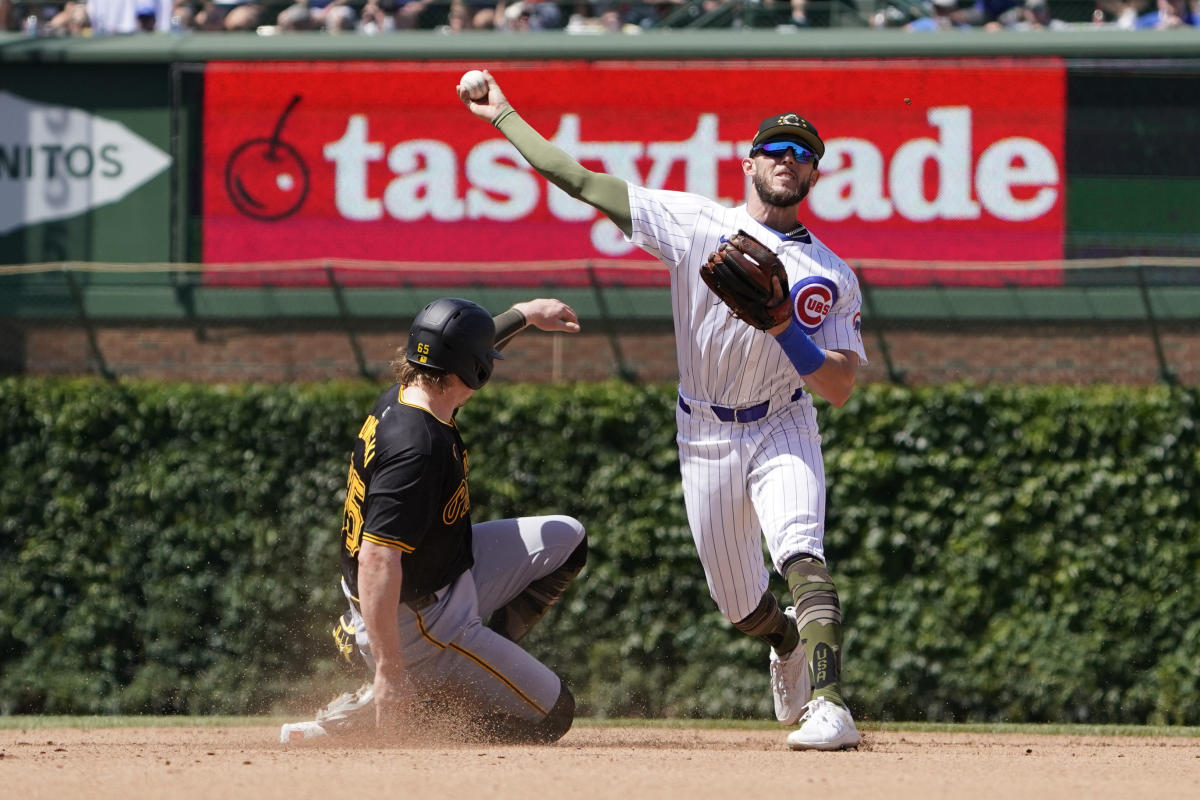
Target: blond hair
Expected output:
[407,373]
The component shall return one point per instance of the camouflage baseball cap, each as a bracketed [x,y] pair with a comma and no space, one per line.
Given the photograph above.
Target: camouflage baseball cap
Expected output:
[789,126]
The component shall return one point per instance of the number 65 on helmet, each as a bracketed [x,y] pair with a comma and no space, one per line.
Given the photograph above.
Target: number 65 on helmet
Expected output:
[457,336]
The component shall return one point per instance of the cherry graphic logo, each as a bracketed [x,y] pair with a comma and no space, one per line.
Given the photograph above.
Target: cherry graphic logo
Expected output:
[266,178]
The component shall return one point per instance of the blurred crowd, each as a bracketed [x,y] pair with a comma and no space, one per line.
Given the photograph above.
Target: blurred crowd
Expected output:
[268,17]
[940,15]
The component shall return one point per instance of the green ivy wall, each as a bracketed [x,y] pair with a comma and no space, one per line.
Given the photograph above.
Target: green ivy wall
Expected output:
[1003,554]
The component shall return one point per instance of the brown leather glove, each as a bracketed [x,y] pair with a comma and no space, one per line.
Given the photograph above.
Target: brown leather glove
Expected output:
[750,279]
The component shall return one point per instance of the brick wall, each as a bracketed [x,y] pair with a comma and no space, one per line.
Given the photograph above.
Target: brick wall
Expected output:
[921,354]
[1046,353]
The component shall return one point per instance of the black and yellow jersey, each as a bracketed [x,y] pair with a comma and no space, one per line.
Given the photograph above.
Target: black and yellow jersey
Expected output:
[407,489]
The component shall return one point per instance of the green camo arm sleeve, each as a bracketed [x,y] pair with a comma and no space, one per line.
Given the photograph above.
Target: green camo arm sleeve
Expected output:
[605,192]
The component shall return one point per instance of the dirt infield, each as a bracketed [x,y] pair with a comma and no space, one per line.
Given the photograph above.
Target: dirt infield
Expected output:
[634,763]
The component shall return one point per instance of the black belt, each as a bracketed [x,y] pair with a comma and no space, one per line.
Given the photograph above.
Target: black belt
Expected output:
[423,602]
[747,414]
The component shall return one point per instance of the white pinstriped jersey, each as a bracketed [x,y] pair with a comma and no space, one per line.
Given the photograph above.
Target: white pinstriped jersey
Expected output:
[721,359]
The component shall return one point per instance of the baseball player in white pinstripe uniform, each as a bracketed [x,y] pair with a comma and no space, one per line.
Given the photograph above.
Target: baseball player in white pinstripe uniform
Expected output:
[749,445]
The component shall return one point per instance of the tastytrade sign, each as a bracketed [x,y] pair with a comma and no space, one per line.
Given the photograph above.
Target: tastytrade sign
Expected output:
[928,160]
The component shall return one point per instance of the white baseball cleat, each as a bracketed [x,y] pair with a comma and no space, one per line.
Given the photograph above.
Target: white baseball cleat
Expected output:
[341,715]
[299,731]
[824,726]
[789,680]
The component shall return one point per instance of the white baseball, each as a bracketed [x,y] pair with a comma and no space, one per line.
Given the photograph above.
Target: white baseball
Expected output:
[475,84]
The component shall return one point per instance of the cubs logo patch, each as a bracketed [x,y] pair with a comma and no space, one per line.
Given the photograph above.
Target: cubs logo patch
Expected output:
[858,323]
[812,300]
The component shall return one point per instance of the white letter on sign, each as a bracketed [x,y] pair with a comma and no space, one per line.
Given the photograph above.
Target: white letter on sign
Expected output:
[999,172]
[350,155]
[700,154]
[951,151]
[417,192]
[854,188]
[500,187]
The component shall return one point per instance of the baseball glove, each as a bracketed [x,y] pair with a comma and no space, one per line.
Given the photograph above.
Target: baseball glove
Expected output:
[742,271]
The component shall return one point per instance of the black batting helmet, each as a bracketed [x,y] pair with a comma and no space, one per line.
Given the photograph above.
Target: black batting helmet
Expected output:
[457,336]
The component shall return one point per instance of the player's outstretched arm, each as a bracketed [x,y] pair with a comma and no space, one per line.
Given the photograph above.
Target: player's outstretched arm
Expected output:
[549,314]
[605,192]
[544,313]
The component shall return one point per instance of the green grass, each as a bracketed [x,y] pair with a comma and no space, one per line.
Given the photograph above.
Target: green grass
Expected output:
[1041,729]
[53,721]
[1025,729]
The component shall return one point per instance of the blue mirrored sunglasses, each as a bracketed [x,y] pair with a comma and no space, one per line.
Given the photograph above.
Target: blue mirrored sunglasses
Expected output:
[776,149]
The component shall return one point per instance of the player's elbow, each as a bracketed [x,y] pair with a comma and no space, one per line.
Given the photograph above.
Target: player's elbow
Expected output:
[837,391]
[835,395]
[843,377]
[838,400]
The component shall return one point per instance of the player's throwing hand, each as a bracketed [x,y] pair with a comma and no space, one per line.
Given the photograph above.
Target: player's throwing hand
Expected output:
[486,108]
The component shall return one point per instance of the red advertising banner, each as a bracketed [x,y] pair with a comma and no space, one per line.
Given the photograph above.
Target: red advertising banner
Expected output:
[929,160]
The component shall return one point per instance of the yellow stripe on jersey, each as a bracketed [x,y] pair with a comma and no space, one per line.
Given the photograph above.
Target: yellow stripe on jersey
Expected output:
[401,546]
[534,704]
[427,410]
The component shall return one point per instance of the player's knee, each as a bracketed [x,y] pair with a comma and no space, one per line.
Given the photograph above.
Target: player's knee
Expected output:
[731,614]
[761,620]
[559,720]
[578,557]
[563,529]
[504,728]
[548,729]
